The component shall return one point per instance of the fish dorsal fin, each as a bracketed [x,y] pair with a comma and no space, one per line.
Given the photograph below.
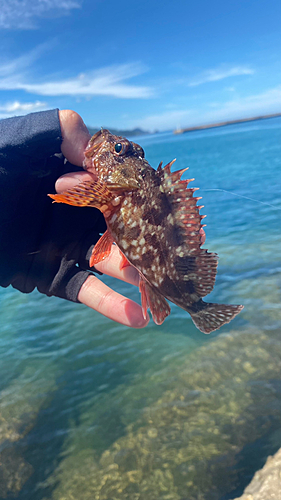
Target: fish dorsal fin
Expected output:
[184,205]
[171,181]
[186,216]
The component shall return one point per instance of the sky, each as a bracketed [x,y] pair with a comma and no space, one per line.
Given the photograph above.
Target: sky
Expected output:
[158,65]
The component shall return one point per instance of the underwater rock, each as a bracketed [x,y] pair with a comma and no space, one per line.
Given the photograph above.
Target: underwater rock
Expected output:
[188,443]
[14,472]
[266,483]
[19,408]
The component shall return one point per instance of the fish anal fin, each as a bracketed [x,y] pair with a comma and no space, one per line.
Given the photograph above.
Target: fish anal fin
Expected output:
[101,249]
[89,193]
[212,316]
[144,301]
[157,304]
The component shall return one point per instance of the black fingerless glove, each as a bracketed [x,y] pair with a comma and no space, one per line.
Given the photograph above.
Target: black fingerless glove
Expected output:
[43,245]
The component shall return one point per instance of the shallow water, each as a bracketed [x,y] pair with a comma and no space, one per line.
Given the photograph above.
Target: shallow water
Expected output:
[93,410]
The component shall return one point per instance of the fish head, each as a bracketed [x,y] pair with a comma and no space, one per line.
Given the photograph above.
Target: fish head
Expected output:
[115,161]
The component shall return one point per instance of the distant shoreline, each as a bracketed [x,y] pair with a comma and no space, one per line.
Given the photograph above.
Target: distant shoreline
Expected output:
[120,132]
[224,124]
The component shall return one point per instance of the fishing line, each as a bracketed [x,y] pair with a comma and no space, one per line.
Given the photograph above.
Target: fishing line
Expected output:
[241,196]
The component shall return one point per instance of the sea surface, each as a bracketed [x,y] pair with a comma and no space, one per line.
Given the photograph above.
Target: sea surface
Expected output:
[92,410]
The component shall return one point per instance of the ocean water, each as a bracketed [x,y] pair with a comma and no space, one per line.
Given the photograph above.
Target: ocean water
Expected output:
[92,410]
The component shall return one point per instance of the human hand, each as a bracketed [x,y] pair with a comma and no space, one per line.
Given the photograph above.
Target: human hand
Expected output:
[94,293]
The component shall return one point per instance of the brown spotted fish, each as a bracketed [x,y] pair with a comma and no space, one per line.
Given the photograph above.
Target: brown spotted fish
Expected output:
[153,218]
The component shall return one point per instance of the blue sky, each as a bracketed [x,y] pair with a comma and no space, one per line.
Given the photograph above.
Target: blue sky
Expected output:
[154,64]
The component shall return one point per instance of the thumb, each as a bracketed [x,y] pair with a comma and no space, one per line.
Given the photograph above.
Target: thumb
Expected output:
[75,136]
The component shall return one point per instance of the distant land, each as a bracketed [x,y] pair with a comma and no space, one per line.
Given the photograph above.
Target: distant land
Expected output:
[140,131]
[224,124]
[123,133]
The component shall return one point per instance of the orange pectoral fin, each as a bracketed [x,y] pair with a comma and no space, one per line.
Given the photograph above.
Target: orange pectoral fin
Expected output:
[101,249]
[86,194]
[157,304]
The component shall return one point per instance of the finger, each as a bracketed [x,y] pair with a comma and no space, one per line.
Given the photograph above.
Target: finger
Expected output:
[75,136]
[98,296]
[70,180]
[203,235]
[111,267]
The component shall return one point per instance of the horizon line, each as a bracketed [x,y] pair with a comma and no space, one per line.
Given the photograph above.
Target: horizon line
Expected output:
[225,123]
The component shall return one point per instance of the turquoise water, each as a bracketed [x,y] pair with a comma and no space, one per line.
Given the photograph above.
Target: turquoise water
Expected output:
[90,409]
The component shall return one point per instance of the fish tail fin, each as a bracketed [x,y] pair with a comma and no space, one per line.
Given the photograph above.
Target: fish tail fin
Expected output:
[213,316]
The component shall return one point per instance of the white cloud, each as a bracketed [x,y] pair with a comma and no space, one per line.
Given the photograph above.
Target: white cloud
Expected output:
[21,14]
[106,81]
[12,108]
[266,102]
[214,75]
[20,65]
[109,81]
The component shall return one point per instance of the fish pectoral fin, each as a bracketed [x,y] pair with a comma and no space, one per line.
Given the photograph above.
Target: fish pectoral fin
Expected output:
[86,194]
[157,304]
[144,301]
[101,249]
[213,316]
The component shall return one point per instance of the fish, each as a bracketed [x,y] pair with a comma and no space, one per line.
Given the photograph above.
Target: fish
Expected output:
[153,217]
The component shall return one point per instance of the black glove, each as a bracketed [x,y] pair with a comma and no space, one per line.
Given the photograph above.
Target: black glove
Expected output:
[42,244]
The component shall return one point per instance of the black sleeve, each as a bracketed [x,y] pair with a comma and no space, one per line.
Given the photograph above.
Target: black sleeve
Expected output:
[42,245]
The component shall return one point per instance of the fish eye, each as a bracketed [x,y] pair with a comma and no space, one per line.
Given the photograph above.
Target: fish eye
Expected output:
[119,147]
[122,148]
